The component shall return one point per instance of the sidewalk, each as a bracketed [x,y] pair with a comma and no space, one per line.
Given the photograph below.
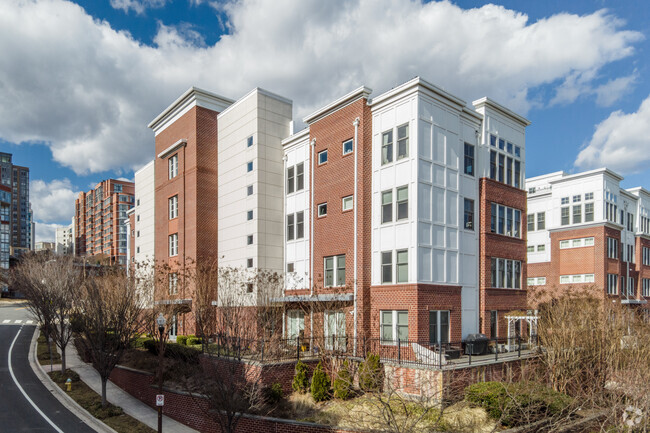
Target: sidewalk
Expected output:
[115,395]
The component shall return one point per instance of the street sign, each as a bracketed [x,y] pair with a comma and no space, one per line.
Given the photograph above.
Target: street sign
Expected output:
[160,399]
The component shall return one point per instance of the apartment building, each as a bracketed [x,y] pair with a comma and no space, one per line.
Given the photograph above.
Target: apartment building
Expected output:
[64,240]
[17,178]
[415,210]
[586,231]
[5,225]
[99,218]
[406,209]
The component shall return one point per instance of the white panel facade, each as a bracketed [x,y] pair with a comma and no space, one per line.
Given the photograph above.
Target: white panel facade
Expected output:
[144,209]
[296,152]
[250,154]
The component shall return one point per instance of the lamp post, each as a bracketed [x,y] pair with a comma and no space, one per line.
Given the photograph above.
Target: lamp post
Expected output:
[161,328]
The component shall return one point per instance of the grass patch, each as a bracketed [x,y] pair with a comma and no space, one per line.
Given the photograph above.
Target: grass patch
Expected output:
[112,416]
[42,352]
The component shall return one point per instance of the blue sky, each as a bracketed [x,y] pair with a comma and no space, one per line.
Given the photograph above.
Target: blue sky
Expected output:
[79,81]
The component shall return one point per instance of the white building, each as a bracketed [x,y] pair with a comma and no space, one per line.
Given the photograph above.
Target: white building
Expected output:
[65,240]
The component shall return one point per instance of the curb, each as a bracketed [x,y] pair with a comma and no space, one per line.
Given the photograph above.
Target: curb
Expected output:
[60,395]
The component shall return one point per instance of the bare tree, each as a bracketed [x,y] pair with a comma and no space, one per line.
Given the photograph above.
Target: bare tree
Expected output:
[51,285]
[108,319]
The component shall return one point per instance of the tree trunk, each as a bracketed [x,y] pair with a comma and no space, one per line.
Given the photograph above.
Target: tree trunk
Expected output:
[104,380]
[63,360]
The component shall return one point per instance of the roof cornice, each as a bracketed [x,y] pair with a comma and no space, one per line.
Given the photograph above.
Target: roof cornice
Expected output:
[361,92]
[487,102]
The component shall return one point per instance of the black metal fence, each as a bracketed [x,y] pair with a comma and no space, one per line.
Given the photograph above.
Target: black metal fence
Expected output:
[410,352]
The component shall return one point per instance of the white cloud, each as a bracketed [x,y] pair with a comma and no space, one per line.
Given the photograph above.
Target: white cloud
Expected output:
[52,202]
[138,6]
[621,142]
[46,232]
[89,91]
[610,92]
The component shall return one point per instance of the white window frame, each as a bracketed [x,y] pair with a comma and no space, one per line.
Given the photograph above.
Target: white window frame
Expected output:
[295,324]
[334,325]
[646,287]
[322,210]
[507,217]
[347,203]
[322,154]
[173,283]
[503,267]
[173,166]
[173,245]
[173,207]
[438,316]
[612,283]
[338,272]
[351,148]
[566,244]
[393,326]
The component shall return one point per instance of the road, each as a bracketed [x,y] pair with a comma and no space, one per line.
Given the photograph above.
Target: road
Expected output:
[26,404]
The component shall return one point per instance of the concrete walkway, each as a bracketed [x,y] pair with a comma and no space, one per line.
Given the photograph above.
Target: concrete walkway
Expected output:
[115,395]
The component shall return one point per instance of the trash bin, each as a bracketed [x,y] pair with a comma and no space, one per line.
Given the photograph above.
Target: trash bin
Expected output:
[476,344]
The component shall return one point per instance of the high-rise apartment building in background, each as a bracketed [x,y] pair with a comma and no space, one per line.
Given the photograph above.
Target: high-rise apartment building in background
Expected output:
[586,231]
[100,232]
[5,225]
[21,234]
[407,208]
[65,240]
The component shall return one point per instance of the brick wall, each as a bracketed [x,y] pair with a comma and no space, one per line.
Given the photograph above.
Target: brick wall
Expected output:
[500,246]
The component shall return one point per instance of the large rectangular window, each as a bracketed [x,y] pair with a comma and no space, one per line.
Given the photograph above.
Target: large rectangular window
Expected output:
[173,207]
[173,166]
[612,280]
[493,165]
[300,225]
[402,141]
[577,214]
[387,147]
[300,176]
[387,206]
[469,159]
[508,221]
[295,324]
[334,327]
[541,220]
[612,248]
[505,273]
[564,216]
[530,222]
[589,212]
[335,271]
[645,256]
[290,227]
[402,203]
[173,283]
[646,287]
[438,327]
[394,326]
[469,214]
[291,180]
[173,245]
[402,266]
[387,267]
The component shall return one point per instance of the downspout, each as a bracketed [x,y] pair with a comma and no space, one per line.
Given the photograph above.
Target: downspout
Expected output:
[284,243]
[356,211]
[311,243]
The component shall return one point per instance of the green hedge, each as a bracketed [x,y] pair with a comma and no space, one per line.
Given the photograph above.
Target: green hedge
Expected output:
[511,403]
[193,340]
[173,350]
[182,339]
[320,384]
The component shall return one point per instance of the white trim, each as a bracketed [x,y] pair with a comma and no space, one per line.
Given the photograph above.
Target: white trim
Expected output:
[174,147]
[257,90]
[358,93]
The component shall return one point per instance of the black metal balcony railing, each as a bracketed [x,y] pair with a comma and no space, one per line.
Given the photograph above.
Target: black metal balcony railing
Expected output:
[403,352]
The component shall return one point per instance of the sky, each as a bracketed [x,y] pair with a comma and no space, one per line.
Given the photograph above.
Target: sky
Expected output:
[80,80]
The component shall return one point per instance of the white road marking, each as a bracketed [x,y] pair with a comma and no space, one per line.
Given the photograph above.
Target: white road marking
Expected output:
[6,321]
[18,321]
[13,376]
[29,322]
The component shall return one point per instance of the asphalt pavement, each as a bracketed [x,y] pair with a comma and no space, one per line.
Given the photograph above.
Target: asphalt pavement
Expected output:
[27,405]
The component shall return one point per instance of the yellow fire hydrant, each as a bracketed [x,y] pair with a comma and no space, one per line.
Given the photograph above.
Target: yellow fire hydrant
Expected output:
[68,385]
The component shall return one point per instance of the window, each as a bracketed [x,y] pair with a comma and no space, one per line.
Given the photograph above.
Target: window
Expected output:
[249,215]
[541,248]
[402,266]
[589,196]
[536,281]
[576,198]
[564,213]
[347,147]
[578,278]
[469,159]
[335,271]
[322,209]
[334,326]
[402,203]
[438,327]
[469,214]
[577,243]
[645,256]
[508,221]
[530,219]
[541,220]
[300,176]
[387,206]
[249,263]
[630,222]
[493,165]
[394,326]
[249,166]
[564,200]
[630,254]
[347,203]
[577,214]
[173,207]
[173,283]
[402,141]
[249,240]
[612,248]
[173,166]
[290,227]
[249,287]
[295,324]
[300,225]
[589,212]
[387,147]
[494,324]
[612,280]
[646,287]
[173,245]
[322,157]
[249,190]
[530,248]
[506,273]
[290,180]
[387,267]
[249,141]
